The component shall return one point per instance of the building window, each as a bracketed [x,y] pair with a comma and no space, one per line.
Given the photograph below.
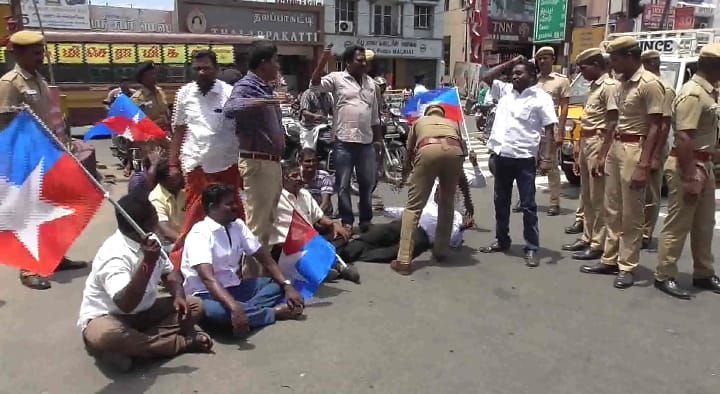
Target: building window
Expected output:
[580,16]
[423,17]
[386,20]
[344,13]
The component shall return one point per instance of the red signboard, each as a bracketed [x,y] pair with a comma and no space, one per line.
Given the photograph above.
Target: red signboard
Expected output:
[652,17]
[684,18]
[514,31]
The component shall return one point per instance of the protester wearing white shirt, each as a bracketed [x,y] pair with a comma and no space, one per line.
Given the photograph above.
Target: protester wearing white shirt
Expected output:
[523,118]
[204,142]
[420,82]
[211,266]
[120,315]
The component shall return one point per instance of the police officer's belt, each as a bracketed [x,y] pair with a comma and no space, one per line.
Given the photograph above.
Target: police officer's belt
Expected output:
[438,140]
[699,156]
[628,137]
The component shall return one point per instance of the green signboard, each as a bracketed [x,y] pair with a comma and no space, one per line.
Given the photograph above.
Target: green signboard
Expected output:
[550,21]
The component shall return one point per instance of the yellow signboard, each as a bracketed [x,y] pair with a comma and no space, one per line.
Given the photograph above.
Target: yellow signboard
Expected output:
[149,53]
[97,53]
[174,54]
[585,38]
[70,53]
[52,52]
[194,48]
[123,54]
[225,53]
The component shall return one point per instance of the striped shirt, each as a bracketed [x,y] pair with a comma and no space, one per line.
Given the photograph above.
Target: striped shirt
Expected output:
[323,183]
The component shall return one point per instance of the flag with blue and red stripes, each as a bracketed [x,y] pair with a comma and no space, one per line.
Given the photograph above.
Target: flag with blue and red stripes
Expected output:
[46,198]
[127,120]
[448,98]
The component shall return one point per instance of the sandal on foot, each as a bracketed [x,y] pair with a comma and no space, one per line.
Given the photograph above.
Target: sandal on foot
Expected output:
[200,342]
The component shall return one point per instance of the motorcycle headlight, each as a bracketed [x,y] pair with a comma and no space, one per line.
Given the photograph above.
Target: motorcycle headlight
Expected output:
[567,149]
[569,126]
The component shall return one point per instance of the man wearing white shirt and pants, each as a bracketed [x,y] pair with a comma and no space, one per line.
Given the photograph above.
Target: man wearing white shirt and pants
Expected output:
[523,119]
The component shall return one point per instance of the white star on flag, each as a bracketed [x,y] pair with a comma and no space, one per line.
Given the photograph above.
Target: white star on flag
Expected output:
[288,266]
[23,210]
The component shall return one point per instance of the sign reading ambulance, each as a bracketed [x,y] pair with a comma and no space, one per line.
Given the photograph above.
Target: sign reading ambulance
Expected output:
[662,46]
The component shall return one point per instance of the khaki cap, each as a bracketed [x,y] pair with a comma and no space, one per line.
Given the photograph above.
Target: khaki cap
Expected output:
[621,43]
[27,37]
[650,54]
[587,54]
[710,50]
[434,109]
[369,55]
[545,51]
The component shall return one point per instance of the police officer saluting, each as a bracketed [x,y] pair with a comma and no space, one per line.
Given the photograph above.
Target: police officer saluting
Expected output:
[651,62]
[24,85]
[640,97]
[434,150]
[599,118]
[691,181]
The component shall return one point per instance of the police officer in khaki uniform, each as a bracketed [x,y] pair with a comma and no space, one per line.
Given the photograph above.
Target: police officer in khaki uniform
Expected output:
[152,101]
[640,98]
[24,85]
[691,180]
[651,62]
[434,151]
[558,87]
[599,116]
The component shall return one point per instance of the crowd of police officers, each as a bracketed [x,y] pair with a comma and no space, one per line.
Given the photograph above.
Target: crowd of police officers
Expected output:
[623,154]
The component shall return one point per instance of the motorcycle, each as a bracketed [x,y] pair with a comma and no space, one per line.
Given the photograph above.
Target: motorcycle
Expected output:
[293,134]
[396,133]
[484,119]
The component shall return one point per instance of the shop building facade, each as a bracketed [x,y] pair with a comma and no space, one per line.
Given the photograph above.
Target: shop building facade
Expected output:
[295,27]
[406,36]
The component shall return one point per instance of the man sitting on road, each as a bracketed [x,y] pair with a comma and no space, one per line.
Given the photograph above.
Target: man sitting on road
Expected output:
[168,198]
[319,183]
[295,198]
[211,266]
[120,316]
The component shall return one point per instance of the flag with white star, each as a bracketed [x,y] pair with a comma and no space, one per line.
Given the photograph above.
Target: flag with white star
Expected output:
[46,199]
[127,120]
[306,257]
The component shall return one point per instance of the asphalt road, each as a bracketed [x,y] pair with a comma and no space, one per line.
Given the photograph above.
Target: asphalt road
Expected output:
[478,324]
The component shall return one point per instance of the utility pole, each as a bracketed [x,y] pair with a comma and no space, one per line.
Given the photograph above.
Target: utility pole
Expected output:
[666,12]
[16,13]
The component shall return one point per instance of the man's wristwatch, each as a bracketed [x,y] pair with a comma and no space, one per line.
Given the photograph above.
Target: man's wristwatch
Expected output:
[286,282]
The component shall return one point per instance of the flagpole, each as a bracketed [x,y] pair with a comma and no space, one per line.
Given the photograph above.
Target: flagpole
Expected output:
[464,126]
[97,184]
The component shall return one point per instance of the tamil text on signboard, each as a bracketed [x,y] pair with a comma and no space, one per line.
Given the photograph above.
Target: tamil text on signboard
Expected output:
[276,25]
[138,20]
[57,14]
[550,21]
[390,47]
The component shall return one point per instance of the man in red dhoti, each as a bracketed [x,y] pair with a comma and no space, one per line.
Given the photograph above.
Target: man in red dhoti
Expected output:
[204,145]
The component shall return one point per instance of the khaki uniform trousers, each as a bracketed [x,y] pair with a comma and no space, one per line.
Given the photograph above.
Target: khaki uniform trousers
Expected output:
[624,207]
[652,199]
[154,333]
[592,193]
[554,179]
[580,211]
[435,161]
[694,216]
[262,185]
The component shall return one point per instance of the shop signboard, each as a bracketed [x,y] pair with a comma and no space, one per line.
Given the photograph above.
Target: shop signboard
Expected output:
[57,14]
[550,21]
[389,47]
[505,30]
[273,24]
[134,20]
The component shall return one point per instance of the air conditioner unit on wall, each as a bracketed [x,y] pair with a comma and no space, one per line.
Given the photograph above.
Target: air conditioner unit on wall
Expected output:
[345,27]
[703,25]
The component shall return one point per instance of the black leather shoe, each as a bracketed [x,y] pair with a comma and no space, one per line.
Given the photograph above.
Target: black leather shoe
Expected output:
[554,210]
[575,228]
[576,246]
[495,248]
[587,254]
[517,208]
[670,287]
[645,243]
[624,280]
[600,269]
[531,259]
[712,283]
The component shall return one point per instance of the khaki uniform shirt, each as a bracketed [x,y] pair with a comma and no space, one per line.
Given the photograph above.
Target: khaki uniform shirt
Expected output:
[154,104]
[18,87]
[556,85]
[641,95]
[431,126]
[600,100]
[669,98]
[169,208]
[695,111]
